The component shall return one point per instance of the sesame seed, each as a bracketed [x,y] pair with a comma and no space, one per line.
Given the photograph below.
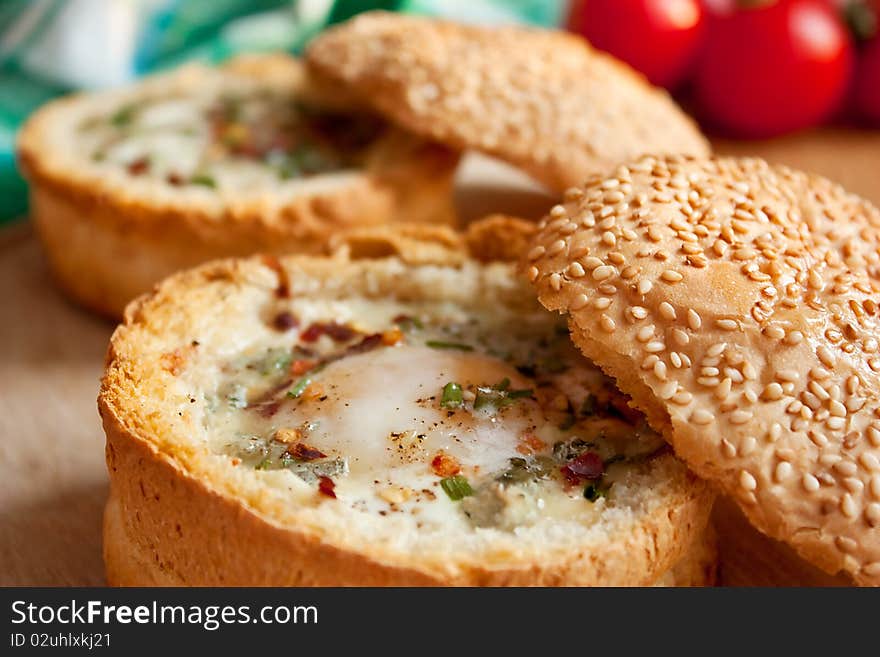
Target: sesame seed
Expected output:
[557,211]
[603,272]
[556,281]
[794,337]
[773,392]
[608,238]
[644,286]
[533,274]
[710,371]
[874,486]
[747,446]
[872,516]
[602,303]
[592,262]
[575,270]
[774,332]
[580,301]
[536,253]
[869,461]
[727,324]
[645,333]
[671,276]
[874,436]
[703,417]
[810,483]
[787,375]
[667,311]
[680,337]
[747,481]
[723,389]
[556,247]
[655,346]
[607,324]
[783,471]
[638,312]
[835,423]
[825,355]
[660,370]
[727,448]
[848,506]
[740,417]
[694,321]
[676,360]
[667,390]
[628,272]
[716,349]
[682,398]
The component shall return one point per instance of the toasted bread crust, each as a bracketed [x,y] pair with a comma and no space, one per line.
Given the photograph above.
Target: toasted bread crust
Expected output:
[110,237]
[736,302]
[169,503]
[543,100]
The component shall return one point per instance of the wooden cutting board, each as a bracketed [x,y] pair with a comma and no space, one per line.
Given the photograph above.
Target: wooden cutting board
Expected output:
[52,478]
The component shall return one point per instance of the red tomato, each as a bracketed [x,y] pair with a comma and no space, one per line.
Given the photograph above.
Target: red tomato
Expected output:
[775,67]
[657,37]
[866,97]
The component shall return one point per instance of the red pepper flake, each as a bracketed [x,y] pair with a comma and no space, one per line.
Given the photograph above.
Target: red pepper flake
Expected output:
[138,166]
[305,452]
[444,465]
[302,365]
[283,288]
[327,487]
[284,321]
[336,332]
[588,465]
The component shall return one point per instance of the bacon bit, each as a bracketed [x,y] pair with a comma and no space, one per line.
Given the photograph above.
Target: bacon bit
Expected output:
[336,332]
[620,404]
[174,361]
[268,409]
[530,444]
[327,487]
[174,179]
[305,452]
[313,391]
[235,461]
[444,465]
[283,289]
[588,465]
[138,166]
[303,365]
[287,435]
[392,337]
[367,344]
[284,321]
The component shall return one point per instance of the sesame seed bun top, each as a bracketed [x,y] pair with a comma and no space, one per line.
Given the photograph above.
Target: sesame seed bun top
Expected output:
[737,303]
[542,100]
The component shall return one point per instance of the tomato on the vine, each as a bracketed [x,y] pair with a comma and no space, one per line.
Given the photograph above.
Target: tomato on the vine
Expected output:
[774,67]
[866,92]
[660,38]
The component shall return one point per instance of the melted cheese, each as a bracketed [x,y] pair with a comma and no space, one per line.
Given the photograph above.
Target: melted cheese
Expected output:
[381,413]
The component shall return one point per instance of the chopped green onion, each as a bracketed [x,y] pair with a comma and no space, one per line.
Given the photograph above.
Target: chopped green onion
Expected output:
[452,396]
[594,491]
[439,344]
[408,324]
[123,116]
[265,464]
[203,179]
[456,487]
[499,395]
[520,394]
[299,388]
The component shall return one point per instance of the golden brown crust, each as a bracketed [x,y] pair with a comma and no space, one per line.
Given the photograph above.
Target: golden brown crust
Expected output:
[542,100]
[109,236]
[169,501]
[737,303]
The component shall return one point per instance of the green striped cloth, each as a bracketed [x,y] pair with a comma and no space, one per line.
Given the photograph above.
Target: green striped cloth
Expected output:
[51,47]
